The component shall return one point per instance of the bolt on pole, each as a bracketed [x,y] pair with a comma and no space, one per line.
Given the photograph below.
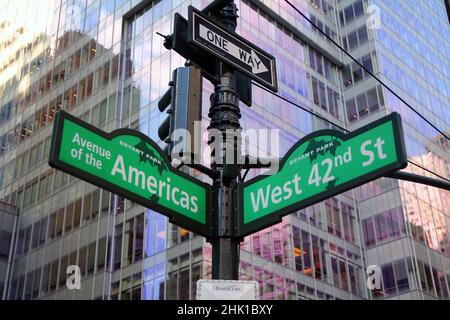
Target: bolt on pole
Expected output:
[225,138]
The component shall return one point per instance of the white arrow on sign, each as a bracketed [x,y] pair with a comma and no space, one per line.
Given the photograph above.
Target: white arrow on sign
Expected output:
[249,58]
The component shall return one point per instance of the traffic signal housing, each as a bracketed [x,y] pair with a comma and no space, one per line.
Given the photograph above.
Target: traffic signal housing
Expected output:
[182,103]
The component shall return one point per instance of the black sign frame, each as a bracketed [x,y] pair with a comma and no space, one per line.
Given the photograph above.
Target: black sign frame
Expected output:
[174,217]
[195,16]
[246,229]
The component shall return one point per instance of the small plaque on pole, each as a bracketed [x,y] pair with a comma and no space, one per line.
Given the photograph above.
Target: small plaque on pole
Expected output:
[227,290]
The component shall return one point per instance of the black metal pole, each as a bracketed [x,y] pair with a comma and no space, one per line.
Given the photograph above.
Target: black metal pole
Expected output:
[438,183]
[225,115]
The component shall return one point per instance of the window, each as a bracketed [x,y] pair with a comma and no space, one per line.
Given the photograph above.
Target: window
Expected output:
[357,72]
[82,258]
[322,96]
[118,246]
[59,222]
[35,236]
[386,225]
[343,272]
[319,67]
[95,203]
[28,285]
[398,220]
[43,231]
[89,84]
[363,109]
[63,270]
[372,100]
[335,270]
[345,223]
[105,201]
[316,256]
[114,67]
[5,243]
[102,113]
[87,206]
[76,213]
[362,35]
[184,284]
[297,249]
[111,106]
[126,102]
[336,105]
[92,50]
[315,91]
[45,278]
[332,103]
[139,241]
[91,258]
[69,218]
[52,226]
[401,275]
[367,63]
[101,254]
[388,279]
[129,63]
[353,279]
[341,18]
[352,221]
[62,71]
[33,157]
[85,54]
[336,218]
[348,13]
[129,240]
[352,40]
[329,72]
[306,253]
[347,76]
[55,77]
[380,227]
[369,234]
[358,8]
[73,258]
[82,90]
[266,246]
[329,217]
[120,205]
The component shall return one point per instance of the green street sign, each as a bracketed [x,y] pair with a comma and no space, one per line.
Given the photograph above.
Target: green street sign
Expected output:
[130,164]
[321,165]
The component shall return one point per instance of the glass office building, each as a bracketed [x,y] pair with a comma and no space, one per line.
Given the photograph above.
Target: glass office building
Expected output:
[405,225]
[102,61]
[8,220]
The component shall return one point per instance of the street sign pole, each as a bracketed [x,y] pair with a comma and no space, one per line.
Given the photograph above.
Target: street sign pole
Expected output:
[225,115]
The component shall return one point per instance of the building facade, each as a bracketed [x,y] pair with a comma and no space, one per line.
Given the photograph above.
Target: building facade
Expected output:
[8,221]
[102,61]
[405,225]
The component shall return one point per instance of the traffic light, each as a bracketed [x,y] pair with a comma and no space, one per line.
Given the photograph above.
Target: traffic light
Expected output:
[164,128]
[182,103]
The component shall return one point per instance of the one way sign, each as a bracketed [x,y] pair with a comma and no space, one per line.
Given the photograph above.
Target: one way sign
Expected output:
[233,49]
